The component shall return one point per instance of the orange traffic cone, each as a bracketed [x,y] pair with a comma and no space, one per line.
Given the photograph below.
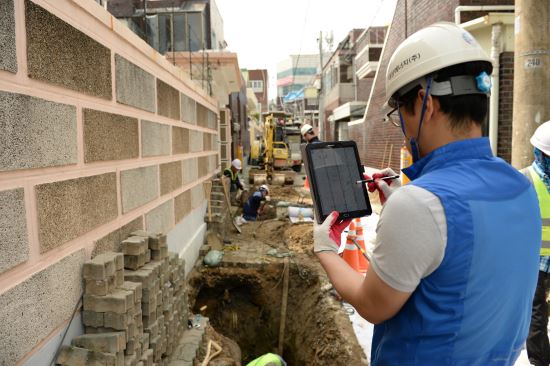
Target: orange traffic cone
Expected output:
[306,184]
[351,253]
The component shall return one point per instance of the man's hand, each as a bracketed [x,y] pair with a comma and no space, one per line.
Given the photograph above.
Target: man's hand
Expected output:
[384,187]
[326,237]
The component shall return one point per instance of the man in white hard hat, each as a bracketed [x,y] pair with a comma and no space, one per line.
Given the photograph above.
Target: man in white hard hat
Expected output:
[309,134]
[253,206]
[538,347]
[453,270]
[233,173]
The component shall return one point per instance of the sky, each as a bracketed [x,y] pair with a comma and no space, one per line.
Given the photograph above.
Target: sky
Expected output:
[264,32]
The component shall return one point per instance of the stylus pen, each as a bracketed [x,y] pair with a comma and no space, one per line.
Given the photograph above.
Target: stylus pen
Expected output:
[360,249]
[372,180]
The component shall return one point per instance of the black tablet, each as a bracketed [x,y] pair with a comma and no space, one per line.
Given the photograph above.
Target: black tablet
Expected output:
[333,169]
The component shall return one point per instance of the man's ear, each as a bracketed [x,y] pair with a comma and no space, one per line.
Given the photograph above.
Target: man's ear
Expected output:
[431,106]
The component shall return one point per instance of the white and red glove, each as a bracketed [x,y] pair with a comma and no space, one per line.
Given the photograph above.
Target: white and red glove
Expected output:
[384,187]
[327,236]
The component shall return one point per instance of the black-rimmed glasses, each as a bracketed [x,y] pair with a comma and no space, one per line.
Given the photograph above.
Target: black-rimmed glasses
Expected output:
[393,117]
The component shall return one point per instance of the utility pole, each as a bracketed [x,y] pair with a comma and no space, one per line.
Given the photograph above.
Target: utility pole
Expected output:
[531,76]
[320,97]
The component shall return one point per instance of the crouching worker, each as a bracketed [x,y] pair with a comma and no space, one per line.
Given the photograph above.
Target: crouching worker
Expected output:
[253,207]
[269,359]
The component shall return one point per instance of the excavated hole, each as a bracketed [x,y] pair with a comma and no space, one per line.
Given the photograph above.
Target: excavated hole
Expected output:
[244,304]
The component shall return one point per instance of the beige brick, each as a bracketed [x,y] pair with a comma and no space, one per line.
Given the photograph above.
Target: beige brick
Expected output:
[182,205]
[115,320]
[188,109]
[180,140]
[135,287]
[130,79]
[99,287]
[14,244]
[71,356]
[170,177]
[109,136]
[119,301]
[195,141]
[111,241]
[59,54]
[161,218]
[70,208]
[134,262]
[190,170]
[168,102]
[119,275]
[92,318]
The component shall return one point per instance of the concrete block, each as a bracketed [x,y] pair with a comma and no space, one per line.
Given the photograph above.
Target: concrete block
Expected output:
[141,275]
[70,208]
[59,54]
[8,61]
[119,276]
[190,170]
[180,140]
[195,141]
[14,244]
[170,177]
[100,287]
[106,342]
[202,115]
[46,300]
[100,267]
[155,139]
[116,321]
[35,132]
[92,318]
[134,262]
[168,100]
[197,196]
[188,109]
[134,287]
[109,136]
[203,166]
[161,218]
[134,86]
[71,356]
[111,241]
[138,186]
[134,245]
[119,301]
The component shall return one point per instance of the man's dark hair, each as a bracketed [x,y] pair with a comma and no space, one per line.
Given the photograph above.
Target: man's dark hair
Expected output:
[462,108]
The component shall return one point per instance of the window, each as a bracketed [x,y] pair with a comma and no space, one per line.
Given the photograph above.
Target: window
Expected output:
[256,85]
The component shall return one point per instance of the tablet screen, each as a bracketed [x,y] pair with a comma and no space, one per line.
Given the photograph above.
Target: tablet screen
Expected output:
[336,174]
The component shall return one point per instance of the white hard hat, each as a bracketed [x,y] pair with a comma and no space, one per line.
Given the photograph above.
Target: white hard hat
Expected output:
[430,49]
[264,187]
[237,164]
[541,138]
[305,128]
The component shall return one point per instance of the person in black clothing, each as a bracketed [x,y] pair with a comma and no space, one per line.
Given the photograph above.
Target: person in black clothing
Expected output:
[252,208]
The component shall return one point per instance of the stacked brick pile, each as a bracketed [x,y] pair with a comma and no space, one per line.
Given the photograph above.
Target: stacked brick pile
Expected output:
[134,302]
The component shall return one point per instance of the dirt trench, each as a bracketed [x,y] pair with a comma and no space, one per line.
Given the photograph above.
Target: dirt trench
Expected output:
[244,305]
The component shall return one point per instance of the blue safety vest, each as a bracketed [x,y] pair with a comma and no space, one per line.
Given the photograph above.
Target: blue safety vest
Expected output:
[475,308]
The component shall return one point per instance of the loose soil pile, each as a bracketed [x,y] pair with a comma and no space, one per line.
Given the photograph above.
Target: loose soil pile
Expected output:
[299,238]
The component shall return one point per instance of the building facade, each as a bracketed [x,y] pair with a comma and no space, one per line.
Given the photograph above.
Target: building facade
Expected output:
[379,141]
[258,81]
[295,73]
[173,25]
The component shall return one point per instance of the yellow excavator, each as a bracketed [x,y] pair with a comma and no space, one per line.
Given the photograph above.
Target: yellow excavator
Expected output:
[272,152]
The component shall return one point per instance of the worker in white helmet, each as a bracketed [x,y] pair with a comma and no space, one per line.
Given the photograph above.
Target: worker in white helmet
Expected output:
[232,173]
[454,265]
[538,347]
[309,134]
[253,206]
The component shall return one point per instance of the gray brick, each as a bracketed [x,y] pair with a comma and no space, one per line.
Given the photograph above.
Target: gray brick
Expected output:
[134,86]
[182,205]
[8,59]
[37,306]
[155,139]
[109,136]
[35,132]
[168,101]
[106,342]
[197,196]
[188,109]
[14,244]
[190,170]
[59,54]
[70,208]
[138,186]
[195,141]
[160,219]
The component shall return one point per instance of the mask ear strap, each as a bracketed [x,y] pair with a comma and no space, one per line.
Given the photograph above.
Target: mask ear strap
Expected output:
[415,150]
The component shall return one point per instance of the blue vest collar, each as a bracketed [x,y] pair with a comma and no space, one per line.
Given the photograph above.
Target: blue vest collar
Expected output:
[463,149]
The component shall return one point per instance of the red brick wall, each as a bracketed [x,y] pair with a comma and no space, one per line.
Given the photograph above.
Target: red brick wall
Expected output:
[374,137]
[505,106]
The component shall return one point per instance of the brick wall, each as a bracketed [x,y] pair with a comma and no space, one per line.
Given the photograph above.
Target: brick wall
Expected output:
[377,139]
[505,106]
[99,136]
